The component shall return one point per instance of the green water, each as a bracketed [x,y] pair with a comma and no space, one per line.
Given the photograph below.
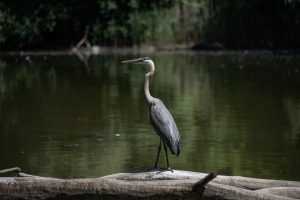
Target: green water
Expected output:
[237,114]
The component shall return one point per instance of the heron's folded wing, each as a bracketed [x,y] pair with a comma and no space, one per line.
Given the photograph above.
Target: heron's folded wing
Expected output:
[165,124]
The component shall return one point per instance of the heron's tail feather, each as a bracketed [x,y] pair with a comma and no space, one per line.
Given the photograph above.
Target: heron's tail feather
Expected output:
[175,149]
[178,151]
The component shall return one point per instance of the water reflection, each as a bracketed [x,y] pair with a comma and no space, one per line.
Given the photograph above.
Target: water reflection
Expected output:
[239,114]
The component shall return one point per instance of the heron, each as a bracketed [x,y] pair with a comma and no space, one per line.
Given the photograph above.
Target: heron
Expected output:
[160,117]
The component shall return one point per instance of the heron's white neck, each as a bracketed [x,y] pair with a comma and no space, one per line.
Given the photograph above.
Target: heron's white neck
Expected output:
[148,96]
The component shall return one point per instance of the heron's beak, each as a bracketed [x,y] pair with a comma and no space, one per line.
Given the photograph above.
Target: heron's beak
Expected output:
[134,61]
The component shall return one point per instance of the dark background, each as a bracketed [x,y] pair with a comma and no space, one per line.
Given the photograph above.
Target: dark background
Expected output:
[235,24]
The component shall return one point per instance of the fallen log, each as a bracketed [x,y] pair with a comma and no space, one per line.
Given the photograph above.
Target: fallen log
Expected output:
[146,184]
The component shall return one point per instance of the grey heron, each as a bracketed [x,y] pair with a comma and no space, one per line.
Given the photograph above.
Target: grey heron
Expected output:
[160,117]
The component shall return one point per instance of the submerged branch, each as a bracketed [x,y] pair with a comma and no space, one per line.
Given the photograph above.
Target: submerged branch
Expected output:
[84,39]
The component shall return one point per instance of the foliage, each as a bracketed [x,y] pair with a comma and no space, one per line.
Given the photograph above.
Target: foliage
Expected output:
[28,23]
[61,24]
[33,24]
[255,24]
[236,24]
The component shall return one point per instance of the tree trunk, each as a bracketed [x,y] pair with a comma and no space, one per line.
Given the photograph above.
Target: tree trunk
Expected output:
[146,184]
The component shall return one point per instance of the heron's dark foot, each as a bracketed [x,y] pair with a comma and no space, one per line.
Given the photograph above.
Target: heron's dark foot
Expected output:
[169,169]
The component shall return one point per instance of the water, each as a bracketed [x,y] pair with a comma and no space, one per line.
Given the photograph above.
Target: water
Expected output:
[238,114]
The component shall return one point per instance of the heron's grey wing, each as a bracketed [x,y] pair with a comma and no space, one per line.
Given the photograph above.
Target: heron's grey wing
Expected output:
[165,125]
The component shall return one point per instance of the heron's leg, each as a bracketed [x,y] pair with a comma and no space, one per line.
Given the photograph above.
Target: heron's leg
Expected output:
[158,152]
[165,147]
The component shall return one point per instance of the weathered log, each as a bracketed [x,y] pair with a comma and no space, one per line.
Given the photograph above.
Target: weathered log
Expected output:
[292,192]
[149,184]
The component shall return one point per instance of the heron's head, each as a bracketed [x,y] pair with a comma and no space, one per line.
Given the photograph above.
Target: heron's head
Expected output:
[144,60]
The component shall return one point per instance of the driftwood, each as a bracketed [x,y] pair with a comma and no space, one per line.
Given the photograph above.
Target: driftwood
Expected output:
[84,39]
[145,184]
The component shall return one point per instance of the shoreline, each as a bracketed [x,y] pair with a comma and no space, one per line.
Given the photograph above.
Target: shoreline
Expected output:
[101,50]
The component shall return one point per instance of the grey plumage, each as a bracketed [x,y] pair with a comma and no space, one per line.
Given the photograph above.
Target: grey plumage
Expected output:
[164,124]
[160,117]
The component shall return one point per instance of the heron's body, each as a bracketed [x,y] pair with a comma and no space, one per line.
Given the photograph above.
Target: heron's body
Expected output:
[164,125]
[160,117]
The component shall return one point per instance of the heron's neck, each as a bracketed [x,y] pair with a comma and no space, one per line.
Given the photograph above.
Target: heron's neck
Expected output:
[148,96]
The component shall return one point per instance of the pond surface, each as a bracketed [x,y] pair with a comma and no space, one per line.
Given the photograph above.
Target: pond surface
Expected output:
[238,114]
